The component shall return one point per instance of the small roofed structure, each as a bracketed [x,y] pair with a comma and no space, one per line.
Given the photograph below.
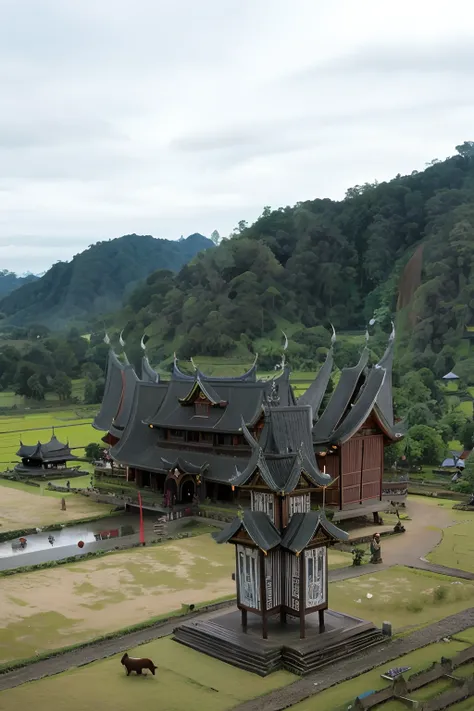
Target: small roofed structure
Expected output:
[281,561]
[450,376]
[38,458]
[280,540]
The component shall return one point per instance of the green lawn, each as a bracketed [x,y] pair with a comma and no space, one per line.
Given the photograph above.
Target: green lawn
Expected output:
[407,598]
[185,681]
[339,697]
[456,549]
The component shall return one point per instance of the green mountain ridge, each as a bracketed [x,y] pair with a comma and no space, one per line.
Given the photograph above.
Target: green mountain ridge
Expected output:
[9,281]
[406,245]
[96,280]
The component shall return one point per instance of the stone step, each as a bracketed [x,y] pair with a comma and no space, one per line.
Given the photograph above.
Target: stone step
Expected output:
[261,665]
[303,665]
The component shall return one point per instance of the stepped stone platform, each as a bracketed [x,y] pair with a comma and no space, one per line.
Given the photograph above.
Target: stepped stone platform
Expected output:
[222,637]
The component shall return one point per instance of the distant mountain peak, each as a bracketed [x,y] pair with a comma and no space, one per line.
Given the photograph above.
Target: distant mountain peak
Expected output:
[94,281]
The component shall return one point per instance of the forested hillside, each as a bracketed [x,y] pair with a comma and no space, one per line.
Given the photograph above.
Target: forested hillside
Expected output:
[96,280]
[323,261]
[9,281]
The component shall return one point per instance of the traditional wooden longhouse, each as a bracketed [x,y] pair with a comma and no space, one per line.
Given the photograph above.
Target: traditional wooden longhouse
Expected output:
[350,434]
[184,437]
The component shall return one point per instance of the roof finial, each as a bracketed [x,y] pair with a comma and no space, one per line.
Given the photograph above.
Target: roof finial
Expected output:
[193,364]
[121,341]
[143,342]
[333,337]
[107,338]
[367,335]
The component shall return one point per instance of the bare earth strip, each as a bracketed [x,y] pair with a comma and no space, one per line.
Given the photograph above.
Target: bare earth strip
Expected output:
[20,509]
[61,606]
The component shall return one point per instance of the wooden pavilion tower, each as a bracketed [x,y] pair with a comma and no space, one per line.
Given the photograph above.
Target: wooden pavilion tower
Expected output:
[280,544]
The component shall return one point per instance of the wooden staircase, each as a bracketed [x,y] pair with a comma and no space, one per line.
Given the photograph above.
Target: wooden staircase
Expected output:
[263,657]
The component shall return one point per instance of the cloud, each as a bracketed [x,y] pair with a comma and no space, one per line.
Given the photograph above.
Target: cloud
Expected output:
[170,118]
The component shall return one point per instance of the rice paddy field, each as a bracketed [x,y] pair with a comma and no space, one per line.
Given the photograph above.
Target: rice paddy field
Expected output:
[56,607]
[71,425]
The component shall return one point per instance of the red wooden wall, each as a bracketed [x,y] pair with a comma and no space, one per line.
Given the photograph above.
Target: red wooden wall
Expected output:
[362,469]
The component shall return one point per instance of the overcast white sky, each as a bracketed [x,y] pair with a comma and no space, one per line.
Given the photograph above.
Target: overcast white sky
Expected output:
[171,117]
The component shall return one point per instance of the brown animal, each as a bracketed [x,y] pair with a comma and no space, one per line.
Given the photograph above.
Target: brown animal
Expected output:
[137,664]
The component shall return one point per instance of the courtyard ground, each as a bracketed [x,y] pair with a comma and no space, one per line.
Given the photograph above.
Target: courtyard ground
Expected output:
[91,597]
[27,507]
[405,597]
[57,607]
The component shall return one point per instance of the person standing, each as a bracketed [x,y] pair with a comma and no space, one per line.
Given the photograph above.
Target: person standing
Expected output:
[376,549]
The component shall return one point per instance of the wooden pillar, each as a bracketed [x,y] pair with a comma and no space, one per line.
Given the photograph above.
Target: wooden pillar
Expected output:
[243,614]
[263,595]
[302,598]
[321,620]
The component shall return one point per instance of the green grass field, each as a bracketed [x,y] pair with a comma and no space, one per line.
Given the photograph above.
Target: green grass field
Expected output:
[185,681]
[52,608]
[407,598]
[456,549]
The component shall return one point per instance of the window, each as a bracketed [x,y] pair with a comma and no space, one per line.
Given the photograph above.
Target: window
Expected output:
[201,409]
[192,436]
[176,434]
[263,502]
[207,437]
[224,439]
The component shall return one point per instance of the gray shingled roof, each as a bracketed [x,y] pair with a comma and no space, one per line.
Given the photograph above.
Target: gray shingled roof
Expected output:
[361,407]
[52,451]
[303,527]
[258,526]
[137,438]
[281,469]
[112,393]
[316,391]
[149,375]
[249,376]
[122,416]
[340,400]
[244,400]
[384,398]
